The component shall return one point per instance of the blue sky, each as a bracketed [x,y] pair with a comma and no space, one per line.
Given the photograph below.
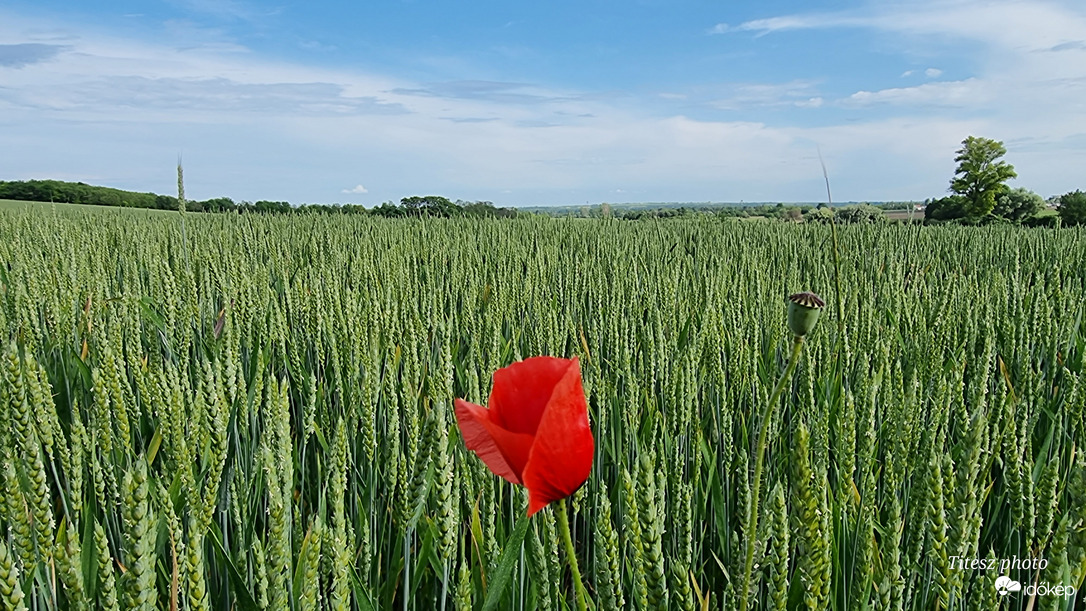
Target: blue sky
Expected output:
[540,103]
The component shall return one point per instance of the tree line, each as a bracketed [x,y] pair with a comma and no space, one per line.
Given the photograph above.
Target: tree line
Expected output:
[821,213]
[80,193]
[979,195]
[63,192]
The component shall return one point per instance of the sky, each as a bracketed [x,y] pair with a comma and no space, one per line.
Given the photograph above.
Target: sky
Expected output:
[547,103]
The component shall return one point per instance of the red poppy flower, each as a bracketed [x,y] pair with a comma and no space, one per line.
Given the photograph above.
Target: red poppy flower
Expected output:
[535,432]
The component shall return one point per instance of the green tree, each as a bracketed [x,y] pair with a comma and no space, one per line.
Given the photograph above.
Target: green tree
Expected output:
[1018,204]
[980,174]
[821,214]
[485,209]
[945,208]
[860,213]
[1073,208]
[429,205]
[388,210]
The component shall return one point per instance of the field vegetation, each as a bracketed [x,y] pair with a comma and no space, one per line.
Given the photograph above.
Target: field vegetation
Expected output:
[255,412]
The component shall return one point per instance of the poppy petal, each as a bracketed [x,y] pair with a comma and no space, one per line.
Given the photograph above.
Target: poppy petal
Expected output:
[561,457]
[522,390]
[503,452]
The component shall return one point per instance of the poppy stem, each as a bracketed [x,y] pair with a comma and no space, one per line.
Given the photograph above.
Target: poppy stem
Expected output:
[751,534]
[571,555]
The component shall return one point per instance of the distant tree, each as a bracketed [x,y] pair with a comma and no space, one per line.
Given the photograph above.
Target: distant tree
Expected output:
[218,204]
[945,208]
[270,207]
[388,210]
[320,208]
[1018,204]
[821,214]
[485,209]
[74,193]
[165,202]
[787,213]
[479,209]
[429,205]
[1073,208]
[980,175]
[895,206]
[860,213]
[413,205]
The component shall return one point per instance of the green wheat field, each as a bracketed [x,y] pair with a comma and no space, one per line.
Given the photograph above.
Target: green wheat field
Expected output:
[255,412]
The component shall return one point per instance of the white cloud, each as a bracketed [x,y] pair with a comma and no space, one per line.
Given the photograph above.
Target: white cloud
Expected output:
[793,22]
[738,96]
[357,190]
[1006,23]
[959,94]
[720,28]
[933,73]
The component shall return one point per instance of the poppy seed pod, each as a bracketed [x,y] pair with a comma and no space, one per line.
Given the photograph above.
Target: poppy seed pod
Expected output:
[803,312]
